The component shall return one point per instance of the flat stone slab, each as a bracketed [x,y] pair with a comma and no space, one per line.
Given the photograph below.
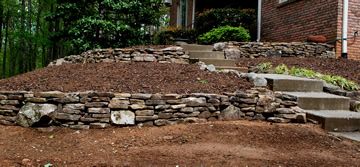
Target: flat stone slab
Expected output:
[278,82]
[336,120]
[348,135]
[320,101]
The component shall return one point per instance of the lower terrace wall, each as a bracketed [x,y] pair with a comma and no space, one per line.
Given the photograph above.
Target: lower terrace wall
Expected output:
[86,110]
[236,50]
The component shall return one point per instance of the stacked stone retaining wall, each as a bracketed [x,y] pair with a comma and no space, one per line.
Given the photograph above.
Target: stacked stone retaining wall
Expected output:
[236,50]
[167,55]
[103,109]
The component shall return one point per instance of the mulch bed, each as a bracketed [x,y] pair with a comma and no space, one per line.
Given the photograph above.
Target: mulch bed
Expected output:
[346,68]
[125,77]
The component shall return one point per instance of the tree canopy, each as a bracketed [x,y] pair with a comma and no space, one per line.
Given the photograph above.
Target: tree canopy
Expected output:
[35,32]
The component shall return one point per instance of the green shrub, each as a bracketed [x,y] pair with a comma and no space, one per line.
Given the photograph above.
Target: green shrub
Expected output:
[341,82]
[167,36]
[214,18]
[281,69]
[223,34]
[264,67]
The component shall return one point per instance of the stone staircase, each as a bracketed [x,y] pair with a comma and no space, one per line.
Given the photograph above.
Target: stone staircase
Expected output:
[331,111]
[206,54]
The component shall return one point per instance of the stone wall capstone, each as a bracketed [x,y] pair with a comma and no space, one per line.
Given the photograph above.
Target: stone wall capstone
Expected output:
[236,50]
[84,110]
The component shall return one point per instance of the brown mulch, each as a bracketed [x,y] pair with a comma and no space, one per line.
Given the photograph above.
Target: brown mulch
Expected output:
[125,77]
[349,69]
[239,143]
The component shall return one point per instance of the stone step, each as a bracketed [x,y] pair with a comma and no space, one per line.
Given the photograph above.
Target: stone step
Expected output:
[320,101]
[193,47]
[206,54]
[336,121]
[219,62]
[289,83]
[240,69]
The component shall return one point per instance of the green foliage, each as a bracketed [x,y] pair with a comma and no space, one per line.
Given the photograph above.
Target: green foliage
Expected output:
[264,67]
[341,82]
[167,36]
[106,23]
[225,33]
[215,18]
[302,72]
[307,73]
[281,69]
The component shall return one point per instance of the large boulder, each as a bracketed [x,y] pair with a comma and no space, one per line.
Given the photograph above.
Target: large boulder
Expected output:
[31,114]
[231,113]
[124,117]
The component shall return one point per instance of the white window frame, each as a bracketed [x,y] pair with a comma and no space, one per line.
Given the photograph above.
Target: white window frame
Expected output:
[283,1]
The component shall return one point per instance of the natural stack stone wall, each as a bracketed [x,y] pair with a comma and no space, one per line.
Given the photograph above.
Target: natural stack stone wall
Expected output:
[167,55]
[236,50]
[99,110]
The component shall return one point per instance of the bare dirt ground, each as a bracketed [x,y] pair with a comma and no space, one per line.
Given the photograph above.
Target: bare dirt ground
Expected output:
[239,143]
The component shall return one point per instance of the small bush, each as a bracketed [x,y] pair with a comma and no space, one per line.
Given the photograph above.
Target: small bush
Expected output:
[264,67]
[214,18]
[223,34]
[167,36]
[281,69]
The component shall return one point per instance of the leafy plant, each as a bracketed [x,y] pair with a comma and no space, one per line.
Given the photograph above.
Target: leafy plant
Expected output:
[341,82]
[225,33]
[264,67]
[302,72]
[281,69]
[214,18]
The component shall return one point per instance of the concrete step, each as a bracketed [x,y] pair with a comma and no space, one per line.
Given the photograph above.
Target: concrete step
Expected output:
[193,47]
[348,135]
[240,69]
[206,54]
[289,83]
[219,62]
[320,101]
[336,121]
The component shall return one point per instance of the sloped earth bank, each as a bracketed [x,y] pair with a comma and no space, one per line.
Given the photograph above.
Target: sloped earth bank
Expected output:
[127,78]
[239,143]
[349,69]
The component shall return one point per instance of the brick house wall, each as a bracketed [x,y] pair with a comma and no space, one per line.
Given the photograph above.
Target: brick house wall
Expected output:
[298,19]
[354,25]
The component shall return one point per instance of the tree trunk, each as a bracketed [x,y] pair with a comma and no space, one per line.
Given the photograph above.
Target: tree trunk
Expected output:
[30,56]
[6,25]
[37,32]
[22,47]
